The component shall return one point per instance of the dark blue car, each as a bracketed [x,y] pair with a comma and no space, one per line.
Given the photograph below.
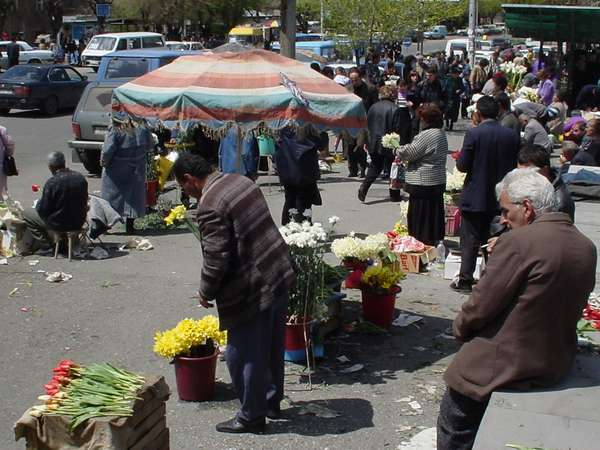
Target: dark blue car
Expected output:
[38,86]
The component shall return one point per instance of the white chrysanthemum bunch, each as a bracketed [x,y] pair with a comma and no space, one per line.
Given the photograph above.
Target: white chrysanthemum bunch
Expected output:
[391,141]
[528,93]
[455,180]
[303,235]
[351,247]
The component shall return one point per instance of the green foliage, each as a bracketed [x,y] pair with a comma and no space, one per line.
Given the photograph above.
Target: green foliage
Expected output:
[364,21]
[207,14]
[307,10]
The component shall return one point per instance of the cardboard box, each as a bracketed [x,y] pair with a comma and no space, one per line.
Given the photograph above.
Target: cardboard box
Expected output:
[452,266]
[412,262]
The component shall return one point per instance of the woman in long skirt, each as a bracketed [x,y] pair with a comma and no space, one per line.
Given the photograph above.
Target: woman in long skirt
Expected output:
[426,176]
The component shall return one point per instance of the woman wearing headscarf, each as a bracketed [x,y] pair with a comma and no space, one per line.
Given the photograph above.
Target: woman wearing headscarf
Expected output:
[124,159]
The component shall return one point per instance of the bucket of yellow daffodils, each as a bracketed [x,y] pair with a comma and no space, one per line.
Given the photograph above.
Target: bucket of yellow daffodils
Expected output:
[193,345]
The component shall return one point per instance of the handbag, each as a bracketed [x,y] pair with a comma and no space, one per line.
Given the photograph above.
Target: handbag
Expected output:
[9,164]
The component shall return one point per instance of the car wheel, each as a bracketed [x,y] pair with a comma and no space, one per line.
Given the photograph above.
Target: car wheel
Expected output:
[34,61]
[4,111]
[91,161]
[50,106]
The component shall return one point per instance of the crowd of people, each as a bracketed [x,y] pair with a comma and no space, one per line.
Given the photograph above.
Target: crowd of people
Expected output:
[513,202]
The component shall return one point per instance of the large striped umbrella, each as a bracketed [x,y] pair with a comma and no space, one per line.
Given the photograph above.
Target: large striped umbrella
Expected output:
[256,90]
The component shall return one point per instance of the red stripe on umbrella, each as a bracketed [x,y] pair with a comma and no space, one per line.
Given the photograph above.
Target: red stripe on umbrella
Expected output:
[238,115]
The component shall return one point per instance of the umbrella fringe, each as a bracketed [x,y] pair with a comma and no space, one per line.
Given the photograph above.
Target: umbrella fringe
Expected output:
[262,129]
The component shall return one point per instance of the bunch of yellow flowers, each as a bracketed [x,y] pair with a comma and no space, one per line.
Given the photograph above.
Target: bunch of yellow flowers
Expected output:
[187,334]
[381,279]
[176,214]
[401,229]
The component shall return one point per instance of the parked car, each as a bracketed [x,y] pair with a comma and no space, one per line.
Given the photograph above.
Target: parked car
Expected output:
[462,32]
[92,116]
[437,32]
[103,44]
[27,54]
[184,45]
[36,86]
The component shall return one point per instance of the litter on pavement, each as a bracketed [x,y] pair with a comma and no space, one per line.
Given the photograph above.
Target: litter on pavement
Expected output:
[343,359]
[354,368]
[99,253]
[314,409]
[56,277]
[404,320]
[425,440]
[3,262]
[137,243]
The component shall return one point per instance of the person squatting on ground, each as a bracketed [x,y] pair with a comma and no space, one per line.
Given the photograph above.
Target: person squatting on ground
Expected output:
[63,206]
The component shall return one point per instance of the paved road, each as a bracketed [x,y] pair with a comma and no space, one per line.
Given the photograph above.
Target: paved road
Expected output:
[110,310]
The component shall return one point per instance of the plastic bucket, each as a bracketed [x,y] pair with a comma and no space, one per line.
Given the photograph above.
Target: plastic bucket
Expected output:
[196,377]
[352,280]
[266,146]
[379,309]
[294,336]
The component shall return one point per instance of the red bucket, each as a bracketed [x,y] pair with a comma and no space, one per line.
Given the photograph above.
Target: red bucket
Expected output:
[357,269]
[196,377]
[294,336]
[151,193]
[379,309]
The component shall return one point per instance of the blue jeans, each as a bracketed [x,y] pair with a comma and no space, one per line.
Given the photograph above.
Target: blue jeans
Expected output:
[255,361]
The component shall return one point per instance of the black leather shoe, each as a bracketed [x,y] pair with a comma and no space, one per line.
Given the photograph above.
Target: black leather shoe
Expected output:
[352,175]
[237,427]
[361,195]
[274,414]
[461,286]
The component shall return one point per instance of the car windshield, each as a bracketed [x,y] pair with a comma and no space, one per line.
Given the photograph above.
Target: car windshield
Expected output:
[126,67]
[177,46]
[101,43]
[23,73]
[99,99]
[25,46]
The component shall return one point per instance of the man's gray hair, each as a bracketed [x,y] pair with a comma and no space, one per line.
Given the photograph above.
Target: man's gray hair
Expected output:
[528,184]
[56,159]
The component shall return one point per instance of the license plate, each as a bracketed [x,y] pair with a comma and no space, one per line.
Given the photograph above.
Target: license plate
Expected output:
[4,92]
[100,130]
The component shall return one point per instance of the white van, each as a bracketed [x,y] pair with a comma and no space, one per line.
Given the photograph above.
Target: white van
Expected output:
[457,47]
[102,44]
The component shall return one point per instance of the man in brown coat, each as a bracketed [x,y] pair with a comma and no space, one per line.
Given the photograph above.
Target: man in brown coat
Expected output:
[519,324]
[247,270]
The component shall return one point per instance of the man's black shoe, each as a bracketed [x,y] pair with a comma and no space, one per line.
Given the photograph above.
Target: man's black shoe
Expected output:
[274,414]
[353,174]
[361,195]
[237,427]
[461,286]
[362,175]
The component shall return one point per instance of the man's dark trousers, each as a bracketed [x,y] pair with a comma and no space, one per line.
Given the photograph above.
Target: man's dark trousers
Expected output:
[474,232]
[375,168]
[255,361]
[355,153]
[459,420]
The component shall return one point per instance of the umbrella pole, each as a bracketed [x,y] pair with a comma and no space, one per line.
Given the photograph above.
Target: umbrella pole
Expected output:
[239,150]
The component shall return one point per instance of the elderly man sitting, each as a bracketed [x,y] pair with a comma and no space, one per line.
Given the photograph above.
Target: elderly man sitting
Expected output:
[519,324]
[63,206]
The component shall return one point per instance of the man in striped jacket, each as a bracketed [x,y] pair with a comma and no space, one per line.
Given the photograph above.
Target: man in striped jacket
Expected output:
[247,270]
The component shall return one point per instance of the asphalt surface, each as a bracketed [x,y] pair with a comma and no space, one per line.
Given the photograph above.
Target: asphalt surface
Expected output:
[111,309]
